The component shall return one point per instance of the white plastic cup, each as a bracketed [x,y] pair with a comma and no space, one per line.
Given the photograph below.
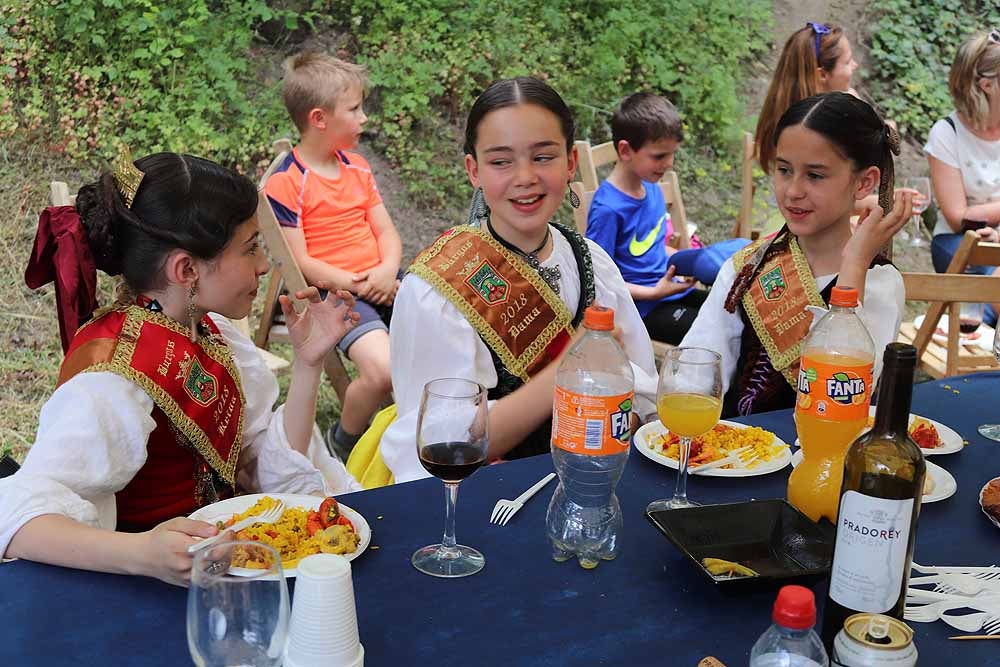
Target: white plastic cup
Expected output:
[323,631]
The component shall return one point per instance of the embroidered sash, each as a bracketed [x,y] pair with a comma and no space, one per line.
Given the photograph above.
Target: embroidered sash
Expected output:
[196,385]
[775,303]
[522,320]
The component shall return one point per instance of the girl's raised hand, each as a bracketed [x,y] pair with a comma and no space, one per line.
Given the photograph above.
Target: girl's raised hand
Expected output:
[318,328]
[876,230]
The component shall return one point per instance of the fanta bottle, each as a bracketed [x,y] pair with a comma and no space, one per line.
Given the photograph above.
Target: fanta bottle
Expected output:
[831,407]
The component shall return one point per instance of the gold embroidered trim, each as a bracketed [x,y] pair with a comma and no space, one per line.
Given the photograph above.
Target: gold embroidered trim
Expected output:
[215,347]
[782,361]
[517,366]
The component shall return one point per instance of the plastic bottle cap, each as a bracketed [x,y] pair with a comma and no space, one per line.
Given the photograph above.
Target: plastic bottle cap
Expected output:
[795,608]
[846,297]
[599,318]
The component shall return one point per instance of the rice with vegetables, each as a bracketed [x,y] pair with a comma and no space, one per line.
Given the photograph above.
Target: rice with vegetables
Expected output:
[294,536]
[719,443]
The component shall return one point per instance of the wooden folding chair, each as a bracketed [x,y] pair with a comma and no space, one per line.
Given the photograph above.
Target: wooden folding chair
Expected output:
[744,219]
[946,292]
[286,273]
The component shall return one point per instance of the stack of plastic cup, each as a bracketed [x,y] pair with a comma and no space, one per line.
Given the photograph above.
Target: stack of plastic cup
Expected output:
[324,627]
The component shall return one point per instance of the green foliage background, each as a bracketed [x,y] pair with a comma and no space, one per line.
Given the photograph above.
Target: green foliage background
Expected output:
[202,76]
[914,43]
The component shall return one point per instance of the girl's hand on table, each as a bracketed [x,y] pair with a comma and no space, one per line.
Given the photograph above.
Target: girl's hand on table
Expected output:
[163,551]
[317,329]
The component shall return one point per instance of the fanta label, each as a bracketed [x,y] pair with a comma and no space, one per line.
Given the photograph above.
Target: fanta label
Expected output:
[596,425]
[840,392]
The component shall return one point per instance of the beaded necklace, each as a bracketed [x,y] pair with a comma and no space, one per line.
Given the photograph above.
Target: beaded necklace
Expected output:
[550,274]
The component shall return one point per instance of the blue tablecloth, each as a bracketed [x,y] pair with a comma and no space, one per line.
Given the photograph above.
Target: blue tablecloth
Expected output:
[649,607]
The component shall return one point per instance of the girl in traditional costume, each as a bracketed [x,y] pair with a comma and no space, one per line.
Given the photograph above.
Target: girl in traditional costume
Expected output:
[830,151]
[161,407]
[497,300]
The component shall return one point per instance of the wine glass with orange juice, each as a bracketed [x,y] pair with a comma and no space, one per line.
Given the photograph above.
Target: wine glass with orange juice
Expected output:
[689,402]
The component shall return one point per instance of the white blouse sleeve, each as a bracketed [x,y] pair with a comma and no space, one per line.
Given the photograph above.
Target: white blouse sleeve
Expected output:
[429,339]
[612,292]
[91,441]
[716,328]
[942,143]
[268,463]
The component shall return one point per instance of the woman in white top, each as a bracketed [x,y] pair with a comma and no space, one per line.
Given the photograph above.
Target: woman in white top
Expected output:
[964,153]
[161,407]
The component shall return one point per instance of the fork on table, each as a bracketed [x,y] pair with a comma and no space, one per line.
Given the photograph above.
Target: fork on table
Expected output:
[267,516]
[505,509]
[988,623]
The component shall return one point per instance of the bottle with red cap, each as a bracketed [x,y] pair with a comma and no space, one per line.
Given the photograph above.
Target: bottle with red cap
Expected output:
[591,432]
[791,641]
[831,407]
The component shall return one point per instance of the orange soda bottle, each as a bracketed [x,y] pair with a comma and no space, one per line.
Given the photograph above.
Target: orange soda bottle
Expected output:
[831,407]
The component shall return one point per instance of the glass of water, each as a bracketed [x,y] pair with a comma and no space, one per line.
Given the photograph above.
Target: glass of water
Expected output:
[237,616]
[992,431]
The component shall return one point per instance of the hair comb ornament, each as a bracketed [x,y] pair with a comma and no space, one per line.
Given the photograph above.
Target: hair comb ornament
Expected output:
[888,177]
[127,175]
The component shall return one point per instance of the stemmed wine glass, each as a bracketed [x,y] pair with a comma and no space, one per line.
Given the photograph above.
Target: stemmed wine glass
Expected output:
[451,444]
[921,201]
[689,402]
[992,431]
[237,620]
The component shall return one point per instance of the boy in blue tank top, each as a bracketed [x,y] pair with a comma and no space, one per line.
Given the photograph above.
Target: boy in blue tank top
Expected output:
[628,217]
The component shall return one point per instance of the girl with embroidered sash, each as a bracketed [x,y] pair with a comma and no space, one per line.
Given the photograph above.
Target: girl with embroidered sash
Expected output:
[831,150]
[497,300]
[161,407]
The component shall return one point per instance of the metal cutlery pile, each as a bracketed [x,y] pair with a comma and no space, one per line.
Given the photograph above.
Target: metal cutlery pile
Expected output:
[948,594]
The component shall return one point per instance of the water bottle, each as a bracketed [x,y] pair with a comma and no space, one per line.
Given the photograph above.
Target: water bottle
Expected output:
[791,641]
[591,431]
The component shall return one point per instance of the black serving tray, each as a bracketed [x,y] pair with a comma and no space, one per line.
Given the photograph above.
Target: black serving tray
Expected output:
[769,536]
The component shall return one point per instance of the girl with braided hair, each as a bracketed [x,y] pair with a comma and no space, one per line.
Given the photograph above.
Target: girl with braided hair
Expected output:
[831,150]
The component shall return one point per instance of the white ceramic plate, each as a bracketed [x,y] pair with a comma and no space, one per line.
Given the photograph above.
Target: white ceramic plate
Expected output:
[225,509]
[643,443]
[981,337]
[988,515]
[945,485]
[951,441]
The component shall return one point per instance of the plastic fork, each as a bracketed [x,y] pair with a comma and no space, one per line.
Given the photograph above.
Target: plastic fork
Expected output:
[505,509]
[267,516]
[978,572]
[735,457]
[929,613]
[985,621]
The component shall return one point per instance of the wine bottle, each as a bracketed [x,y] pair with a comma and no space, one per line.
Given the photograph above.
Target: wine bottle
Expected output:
[879,504]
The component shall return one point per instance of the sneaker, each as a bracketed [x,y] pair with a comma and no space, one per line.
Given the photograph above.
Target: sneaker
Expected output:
[338,450]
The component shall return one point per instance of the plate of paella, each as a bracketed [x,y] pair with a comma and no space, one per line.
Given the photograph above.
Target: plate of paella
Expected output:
[760,452]
[309,525]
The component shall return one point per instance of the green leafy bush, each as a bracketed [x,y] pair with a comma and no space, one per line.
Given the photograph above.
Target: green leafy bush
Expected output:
[913,45]
[81,75]
[429,60]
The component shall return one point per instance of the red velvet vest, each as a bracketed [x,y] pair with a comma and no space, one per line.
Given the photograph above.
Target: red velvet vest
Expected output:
[198,408]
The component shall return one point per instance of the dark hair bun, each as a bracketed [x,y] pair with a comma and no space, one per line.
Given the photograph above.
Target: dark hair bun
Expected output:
[92,204]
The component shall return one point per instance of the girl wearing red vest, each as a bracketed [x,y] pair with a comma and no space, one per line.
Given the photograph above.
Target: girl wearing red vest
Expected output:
[162,406]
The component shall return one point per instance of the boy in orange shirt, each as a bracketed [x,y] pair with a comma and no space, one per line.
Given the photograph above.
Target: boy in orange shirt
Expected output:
[339,230]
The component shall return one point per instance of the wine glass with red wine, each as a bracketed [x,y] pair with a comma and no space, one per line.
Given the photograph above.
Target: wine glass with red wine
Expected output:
[451,444]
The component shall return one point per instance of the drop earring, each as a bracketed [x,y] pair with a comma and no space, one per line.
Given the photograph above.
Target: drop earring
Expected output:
[574,199]
[191,312]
